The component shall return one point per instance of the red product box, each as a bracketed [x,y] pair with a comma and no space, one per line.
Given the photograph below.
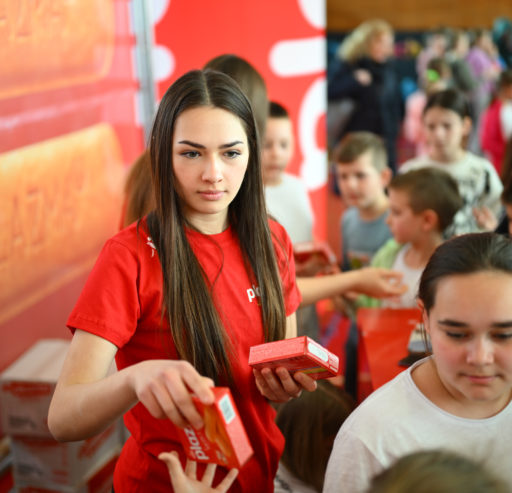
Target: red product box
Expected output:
[303,251]
[296,354]
[223,439]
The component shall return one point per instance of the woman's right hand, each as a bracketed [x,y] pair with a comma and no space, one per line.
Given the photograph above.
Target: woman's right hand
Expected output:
[164,387]
[364,77]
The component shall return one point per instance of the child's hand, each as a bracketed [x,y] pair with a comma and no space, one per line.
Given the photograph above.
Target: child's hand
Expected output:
[379,283]
[485,218]
[185,481]
[280,386]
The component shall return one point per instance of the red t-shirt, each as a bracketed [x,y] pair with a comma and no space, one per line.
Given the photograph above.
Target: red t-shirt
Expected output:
[121,302]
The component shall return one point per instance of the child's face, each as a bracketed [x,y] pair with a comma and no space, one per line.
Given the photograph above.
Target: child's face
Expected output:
[470,329]
[277,149]
[444,132]
[403,222]
[361,185]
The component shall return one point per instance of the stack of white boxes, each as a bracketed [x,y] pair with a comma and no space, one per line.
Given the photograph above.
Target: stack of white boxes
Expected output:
[40,464]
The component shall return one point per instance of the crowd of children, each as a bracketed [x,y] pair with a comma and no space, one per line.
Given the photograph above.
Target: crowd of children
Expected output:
[212,213]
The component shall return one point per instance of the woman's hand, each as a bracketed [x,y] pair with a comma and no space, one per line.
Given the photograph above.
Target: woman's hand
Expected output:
[364,77]
[185,481]
[378,282]
[164,387]
[280,386]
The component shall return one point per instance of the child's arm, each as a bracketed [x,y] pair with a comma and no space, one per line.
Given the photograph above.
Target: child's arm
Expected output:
[87,400]
[376,282]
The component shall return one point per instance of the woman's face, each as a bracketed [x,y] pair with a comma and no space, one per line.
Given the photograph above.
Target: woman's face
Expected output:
[381,47]
[210,154]
[470,328]
[445,131]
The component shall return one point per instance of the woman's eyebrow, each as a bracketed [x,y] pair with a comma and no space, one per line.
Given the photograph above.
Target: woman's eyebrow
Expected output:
[506,324]
[192,144]
[231,144]
[200,146]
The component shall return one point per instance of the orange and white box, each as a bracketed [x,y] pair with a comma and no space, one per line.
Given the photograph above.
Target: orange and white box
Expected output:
[297,354]
[26,388]
[223,439]
[45,463]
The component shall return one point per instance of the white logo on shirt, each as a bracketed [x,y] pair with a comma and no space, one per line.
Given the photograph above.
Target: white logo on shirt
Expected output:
[253,293]
[152,245]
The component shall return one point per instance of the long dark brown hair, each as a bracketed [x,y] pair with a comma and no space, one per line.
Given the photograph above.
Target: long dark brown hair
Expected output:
[188,301]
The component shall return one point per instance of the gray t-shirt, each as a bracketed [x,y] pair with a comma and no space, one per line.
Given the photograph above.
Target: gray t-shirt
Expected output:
[361,239]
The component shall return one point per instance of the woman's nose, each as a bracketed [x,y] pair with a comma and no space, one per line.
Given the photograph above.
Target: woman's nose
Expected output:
[213,170]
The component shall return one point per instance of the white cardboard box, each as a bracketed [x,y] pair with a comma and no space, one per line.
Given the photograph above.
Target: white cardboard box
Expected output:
[99,481]
[26,388]
[49,465]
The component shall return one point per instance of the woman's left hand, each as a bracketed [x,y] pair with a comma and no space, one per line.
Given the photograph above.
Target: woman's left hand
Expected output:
[280,385]
[185,481]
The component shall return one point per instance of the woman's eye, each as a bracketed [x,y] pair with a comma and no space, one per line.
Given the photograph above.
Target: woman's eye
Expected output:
[232,154]
[190,154]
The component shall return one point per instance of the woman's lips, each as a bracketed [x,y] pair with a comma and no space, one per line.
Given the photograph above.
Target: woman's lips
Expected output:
[212,194]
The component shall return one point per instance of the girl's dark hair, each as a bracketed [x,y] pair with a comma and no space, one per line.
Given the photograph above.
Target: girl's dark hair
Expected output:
[439,471]
[309,425]
[464,254]
[250,81]
[138,190]
[196,327]
[449,99]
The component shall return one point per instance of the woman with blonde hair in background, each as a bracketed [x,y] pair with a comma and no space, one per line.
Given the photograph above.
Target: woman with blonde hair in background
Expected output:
[364,75]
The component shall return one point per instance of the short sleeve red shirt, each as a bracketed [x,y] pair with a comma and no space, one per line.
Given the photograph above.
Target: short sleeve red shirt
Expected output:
[121,302]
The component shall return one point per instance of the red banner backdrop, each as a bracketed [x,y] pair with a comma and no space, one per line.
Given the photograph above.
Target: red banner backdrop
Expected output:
[284,40]
[68,129]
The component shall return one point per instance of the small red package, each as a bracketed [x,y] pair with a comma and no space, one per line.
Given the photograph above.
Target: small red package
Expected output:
[223,439]
[303,251]
[296,354]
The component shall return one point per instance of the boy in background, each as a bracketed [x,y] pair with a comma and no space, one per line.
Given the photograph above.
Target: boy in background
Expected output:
[287,201]
[286,195]
[423,203]
[362,175]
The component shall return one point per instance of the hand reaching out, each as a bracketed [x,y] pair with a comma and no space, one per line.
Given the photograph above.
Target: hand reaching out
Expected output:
[379,283]
[186,481]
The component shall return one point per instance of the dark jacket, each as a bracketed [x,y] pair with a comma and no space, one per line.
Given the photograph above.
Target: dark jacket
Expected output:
[378,106]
